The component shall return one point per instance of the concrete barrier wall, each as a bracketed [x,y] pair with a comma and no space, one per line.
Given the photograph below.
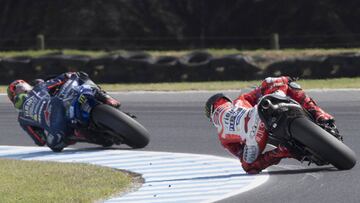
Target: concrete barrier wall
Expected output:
[140,67]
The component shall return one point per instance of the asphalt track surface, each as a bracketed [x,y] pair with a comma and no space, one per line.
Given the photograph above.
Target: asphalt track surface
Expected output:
[177,124]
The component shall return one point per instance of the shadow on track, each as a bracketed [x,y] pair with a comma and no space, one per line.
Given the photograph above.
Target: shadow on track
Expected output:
[67,151]
[300,171]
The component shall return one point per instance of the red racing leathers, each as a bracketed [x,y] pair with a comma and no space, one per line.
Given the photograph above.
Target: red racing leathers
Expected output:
[241,131]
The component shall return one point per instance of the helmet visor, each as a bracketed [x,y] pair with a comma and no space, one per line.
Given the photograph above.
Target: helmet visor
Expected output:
[22,88]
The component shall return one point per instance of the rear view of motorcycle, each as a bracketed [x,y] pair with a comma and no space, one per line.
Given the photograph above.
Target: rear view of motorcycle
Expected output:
[97,122]
[293,127]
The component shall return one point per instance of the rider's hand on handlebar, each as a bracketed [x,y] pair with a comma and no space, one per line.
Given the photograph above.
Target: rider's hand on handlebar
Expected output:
[329,125]
[325,120]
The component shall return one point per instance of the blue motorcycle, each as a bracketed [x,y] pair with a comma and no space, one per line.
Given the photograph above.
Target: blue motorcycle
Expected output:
[98,122]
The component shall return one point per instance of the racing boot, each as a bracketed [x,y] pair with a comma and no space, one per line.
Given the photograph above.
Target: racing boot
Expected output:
[296,93]
[107,99]
[319,115]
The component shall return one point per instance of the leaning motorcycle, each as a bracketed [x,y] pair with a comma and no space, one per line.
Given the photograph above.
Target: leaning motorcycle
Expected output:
[292,126]
[99,123]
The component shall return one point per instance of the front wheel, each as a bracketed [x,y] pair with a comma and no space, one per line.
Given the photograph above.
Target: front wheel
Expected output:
[120,124]
[56,149]
[322,143]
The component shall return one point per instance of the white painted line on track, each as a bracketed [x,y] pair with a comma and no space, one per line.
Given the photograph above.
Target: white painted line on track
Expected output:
[169,177]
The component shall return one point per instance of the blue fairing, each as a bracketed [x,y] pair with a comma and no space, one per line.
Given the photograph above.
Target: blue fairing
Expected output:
[79,100]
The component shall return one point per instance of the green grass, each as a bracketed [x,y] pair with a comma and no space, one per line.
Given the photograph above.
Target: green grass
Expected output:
[225,85]
[265,53]
[216,52]
[36,53]
[230,85]
[338,83]
[32,181]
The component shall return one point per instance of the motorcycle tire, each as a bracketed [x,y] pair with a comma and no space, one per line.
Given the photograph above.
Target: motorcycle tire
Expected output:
[133,133]
[107,143]
[322,143]
[56,149]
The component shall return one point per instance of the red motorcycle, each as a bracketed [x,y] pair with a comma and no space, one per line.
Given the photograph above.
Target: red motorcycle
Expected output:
[293,127]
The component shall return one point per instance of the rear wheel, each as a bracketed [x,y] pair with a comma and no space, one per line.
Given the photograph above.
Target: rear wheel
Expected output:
[109,118]
[107,143]
[322,143]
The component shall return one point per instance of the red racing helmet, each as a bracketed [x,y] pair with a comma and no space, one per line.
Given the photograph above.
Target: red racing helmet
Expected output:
[16,88]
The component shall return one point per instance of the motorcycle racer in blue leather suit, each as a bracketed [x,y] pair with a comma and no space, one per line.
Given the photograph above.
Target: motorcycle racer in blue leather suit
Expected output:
[42,114]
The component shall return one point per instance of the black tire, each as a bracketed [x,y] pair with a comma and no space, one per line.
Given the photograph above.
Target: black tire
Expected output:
[106,143]
[57,150]
[322,143]
[133,133]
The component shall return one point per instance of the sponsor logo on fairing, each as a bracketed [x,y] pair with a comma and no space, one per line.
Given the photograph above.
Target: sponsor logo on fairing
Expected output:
[66,88]
[82,99]
[261,131]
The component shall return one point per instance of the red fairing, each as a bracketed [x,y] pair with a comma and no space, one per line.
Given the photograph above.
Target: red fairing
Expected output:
[55,85]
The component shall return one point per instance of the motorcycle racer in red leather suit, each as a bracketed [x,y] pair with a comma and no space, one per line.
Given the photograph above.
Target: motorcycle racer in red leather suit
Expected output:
[240,129]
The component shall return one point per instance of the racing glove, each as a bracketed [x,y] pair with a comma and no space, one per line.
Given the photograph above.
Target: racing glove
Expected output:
[322,117]
[330,127]
[107,99]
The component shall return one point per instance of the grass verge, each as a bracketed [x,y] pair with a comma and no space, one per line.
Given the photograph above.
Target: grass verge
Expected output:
[216,52]
[34,181]
[338,83]
[230,85]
